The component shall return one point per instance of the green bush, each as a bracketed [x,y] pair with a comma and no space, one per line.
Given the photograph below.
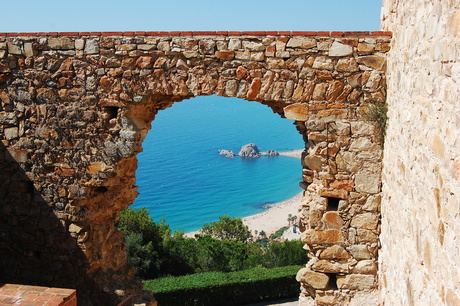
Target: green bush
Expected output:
[377,111]
[279,233]
[217,288]
[154,252]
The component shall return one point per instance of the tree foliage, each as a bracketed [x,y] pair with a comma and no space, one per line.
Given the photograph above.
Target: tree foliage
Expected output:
[223,246]
[228,228]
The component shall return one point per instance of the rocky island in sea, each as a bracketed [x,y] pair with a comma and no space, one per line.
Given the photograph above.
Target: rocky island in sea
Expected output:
[249,150]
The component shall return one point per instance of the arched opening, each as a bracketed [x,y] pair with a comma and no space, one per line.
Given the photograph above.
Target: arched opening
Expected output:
[182,177]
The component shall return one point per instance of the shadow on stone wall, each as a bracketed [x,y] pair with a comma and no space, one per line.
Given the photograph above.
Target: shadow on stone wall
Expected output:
[36,246]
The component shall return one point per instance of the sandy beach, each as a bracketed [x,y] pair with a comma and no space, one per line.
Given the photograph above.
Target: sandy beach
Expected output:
[275,217]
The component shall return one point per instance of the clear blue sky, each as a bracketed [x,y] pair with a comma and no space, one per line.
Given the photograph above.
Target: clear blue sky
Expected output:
[192,15]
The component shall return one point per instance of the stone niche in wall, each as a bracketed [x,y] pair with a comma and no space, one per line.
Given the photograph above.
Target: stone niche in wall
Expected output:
[75,108]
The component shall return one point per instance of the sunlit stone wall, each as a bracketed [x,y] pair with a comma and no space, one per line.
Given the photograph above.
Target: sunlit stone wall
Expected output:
[420,255]
[75,108]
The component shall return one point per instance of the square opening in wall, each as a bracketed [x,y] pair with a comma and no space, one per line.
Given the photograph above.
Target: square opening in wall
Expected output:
[332,281]
[112,111]
[333,204]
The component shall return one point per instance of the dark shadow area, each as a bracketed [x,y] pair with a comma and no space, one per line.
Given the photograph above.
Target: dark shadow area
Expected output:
[36,247]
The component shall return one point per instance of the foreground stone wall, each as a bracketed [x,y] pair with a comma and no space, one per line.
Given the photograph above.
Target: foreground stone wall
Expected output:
[75,108]
[419,260]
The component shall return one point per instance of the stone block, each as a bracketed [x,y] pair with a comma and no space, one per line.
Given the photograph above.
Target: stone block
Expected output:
[373,61]
[296,111]
[225,55]
[61,43]
[367,182]
[347,185]
[366,236]
[327,266]
[305,43]
[333,193]
[334,252]
[331,236]
[323,62]
[359,252]
[365,267]
[79,44]
[373,203]
[313,162]
[338,49]
[29,49]
[20,156]
[365,221]
[363,128]
[347,65]
[14,49]
[11,133]
[91,46]
[312,279]
[332,220]
[356,282]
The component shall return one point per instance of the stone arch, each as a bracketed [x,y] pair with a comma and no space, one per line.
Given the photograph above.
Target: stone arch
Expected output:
[76,107]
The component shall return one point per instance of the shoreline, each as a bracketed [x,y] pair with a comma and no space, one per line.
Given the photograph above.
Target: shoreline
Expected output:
[275,216]
[293,153]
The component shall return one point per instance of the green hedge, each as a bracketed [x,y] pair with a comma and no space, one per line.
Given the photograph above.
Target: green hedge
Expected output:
[218,288]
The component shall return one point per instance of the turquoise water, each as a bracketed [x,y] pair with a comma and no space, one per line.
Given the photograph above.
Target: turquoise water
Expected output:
[182,177]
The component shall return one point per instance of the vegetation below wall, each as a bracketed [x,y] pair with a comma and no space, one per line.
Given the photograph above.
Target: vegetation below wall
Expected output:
[225,246]
[217,288]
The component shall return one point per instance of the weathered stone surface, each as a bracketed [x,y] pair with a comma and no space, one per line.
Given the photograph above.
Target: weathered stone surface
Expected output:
[296,111]
[75,109]
[339,49]
[372,61]
[334,252]
[250,151]
[366,221]
[365,267]
[332,220]
[356,282]
[327,266]
[367,182]
[311,236]
[313,279]
[359,252]
[225,55]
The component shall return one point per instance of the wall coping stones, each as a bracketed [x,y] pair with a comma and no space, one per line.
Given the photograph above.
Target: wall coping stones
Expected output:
[205,33]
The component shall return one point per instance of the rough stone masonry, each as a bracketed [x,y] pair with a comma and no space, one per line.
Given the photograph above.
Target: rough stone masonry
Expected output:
[75,108]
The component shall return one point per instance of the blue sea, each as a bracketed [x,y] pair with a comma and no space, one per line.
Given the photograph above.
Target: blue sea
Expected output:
[182,177]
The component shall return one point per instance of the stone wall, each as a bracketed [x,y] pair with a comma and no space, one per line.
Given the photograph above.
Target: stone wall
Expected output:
[419,261]
[75,108]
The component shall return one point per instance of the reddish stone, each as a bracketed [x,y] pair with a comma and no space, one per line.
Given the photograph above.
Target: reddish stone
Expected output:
[332,220]
[347,185]
[105,83]
[270,51]
[112,33]
[254,89]
[4,68]
[65,171]
[285,33]
[241,72]
[381,33]
[225,55]
[145,62]
[204,33]
[330,236]
[333,193]
[305,33]
[255,33]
